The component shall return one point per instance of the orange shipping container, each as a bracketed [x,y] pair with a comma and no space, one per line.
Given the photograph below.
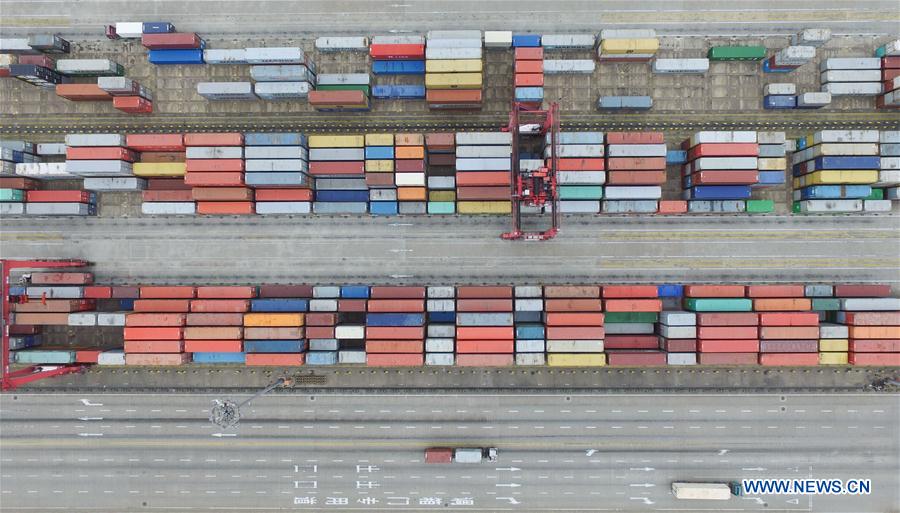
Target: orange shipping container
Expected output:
[714,290]
[142,333]
[155,142]
[484,360]
[391,292]
[54,305]
[875,359]
[453,96]
[673,207]
[215,319]
[214,179]
[213,333]
[221,194]
[395,360]
[220,305]
[162,156]
[571,291]
[886,345]
[166,292]
[529,79]
[789,319]
[275,359]
[788,359]
[87,356]
[636,164]
[573,319]
[319,332]
[727,319]
[273,319]
[214,165]
[283,194]
[872,318]
[484,346]
[586,164]
[484,305]
[82,92]
[162,305]
[482,178]
[180,196]
[225,207]
[635,138]
[483,292]
[154,346]
[633,305]
[213,346]
[630,291]
[572,305]
[775,291]
[394,346]
[484,333]
[226,292]
[635,177]
[728,346]
[789,332]
[396,305]
[157,359]
[45,319]
[213,139]
[729,332]
[574,332]
[762,305]
[279,333]
[395,332]
[155,319]
[874,332]
[409,152]
[412,193]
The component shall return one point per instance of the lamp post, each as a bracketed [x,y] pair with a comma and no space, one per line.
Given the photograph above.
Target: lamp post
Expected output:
[226,413]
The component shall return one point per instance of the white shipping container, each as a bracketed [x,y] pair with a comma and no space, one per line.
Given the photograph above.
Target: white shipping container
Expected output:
[171,208]
[577,138]
[890,163]
[440,305]
[349,332]
[681,358]
[797,54]
[214,152]
[813,99]
[454,43]
[888,177]
[860,63]
[276,55]
[283,207]
[483,151]
[12,209]
[337,154]
[529,305]
[496,164]
[576,151]
[129,29]
[342,43]
[115,184]
[439,345]
[382,194]
[112,357]
[44,170]
[51,149]
[627,34]
[581,177]
[568,41]
[876,205]
[116,84]
[343,79]
[828,206]
[535,291]
[398,40]
[574,346]
[562,66]
[705,163]
[98,167]
[875,304]
[95,140]
[276,165]
[453,34]
[531,359]
[828,330]
[83,319]
[857,75]
[281,90]
[409,179]
[440,292]
[811,37]
[739,136]
[892,48]
[496,39]
[780,88]
[677,331]
[441,330]
[351,357]
[530,346]
[890,137]
[226,90]
[111,318]
[441,182]
[680,65]
[633,192]
[323,305]
[66,66]
[275,152]
[678,318]
[222,56]
[852,88]
[847,136]
[439,358]
[770,138]
[281,73]
[578,207]
[433,53]
[483,138]
[59,209]
[636,150]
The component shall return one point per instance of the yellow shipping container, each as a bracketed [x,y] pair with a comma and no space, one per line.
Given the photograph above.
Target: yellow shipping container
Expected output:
[453,66]
[410,139]
[271,320]
[379,166]
[379,139]
[441,195]
[411,193]
[837,177]
[336,141]
[576,359]
[484,207]
[833,359]
[626,46]
[453,80]
[834,345]
[772,164]
[158,168]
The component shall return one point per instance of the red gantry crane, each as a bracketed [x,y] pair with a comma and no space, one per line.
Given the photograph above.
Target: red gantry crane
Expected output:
[12,380]
[533,187]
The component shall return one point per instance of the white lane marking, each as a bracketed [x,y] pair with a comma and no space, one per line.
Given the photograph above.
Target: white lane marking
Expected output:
[90,434]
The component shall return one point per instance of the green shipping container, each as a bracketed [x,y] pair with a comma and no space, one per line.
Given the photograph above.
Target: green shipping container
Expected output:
[795,207]
[877,194]
[718,305]
[442,196]
[580,192]
[441,207]
[614,317]
[760,206]
[45,356]
[12,195]
[826,304]
[344,87]
[737,53]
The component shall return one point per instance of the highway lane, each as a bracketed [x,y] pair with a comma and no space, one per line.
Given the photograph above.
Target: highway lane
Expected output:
[466,249]
[557,452]
[400,16]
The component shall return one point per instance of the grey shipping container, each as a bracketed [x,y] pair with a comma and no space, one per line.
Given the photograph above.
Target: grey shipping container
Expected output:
[115,184]
[339,43]
[281,73]
[282,90]
[279,55]
[226,90]
[95,140]
[98,167]
[168,208]
[60,209]
[234,56]
[275,152]
[214,152]
[344,79]
[88,67]
[283,207]
[337,154]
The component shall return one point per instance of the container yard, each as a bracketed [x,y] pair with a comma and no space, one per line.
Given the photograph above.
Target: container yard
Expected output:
[439,255]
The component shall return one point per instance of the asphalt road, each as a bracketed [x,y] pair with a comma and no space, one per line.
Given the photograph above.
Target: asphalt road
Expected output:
[466,249]
[400,16]
[104,453]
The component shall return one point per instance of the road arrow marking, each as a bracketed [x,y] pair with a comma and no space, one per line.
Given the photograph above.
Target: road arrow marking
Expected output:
[88,403]
[90,434]
[756,499]
[644,499]
[590,452]
[220,435]
[512,500]
[90,418]
[793,501]
[646,469]
[643,485]
[508,485]
[722,452]
[511,469]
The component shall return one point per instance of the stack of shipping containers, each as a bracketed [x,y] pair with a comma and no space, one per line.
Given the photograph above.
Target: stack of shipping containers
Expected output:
[721,168]
[677,331]
[636,171]
[889,175]
[441,172]
[581,172]
[851,76]
[873,320]
[128,95]
[395,326]
[440,341]
[789,58]
[528,78]
[568,42]
[85,68]
[727,327]
[341,92]
[282,81]
[277,345]
[788,329]
[574,326]
[484,326]
[409,173]
[166,46]
[531,345]
[631,313]
[337,162]
[380,171]
[389,68]
[834,171]
[350,331]
[627,45]
[772,166]
[454,76]
[215,171]
[833,343]
[483,172]
[277,167]
[154,331]
[321,326]
[890,70]
[162,164]
[13,188]
[210,340]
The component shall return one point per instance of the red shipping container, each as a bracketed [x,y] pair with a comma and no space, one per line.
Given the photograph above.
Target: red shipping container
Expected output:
[22,329]
[178,196]
[43,61]
[351,167]
[155,319]
[529,80]
[714,290]
[575,333]
[484,333]
[226,292]
[82,92]
[875,346]
[529,66]
[54,305]
[729,332]
[321,319]
[97,292]
[484,360]
[4,72]
[733,177]
[728,319]
[395,332]
[395,360]
[392,292]
[167,292]
[275,359]
[636,177]
[572,305]
[789,346]
[44,319]
[213,165]
[220,305]
[633,305]
[61,278]
[377,180]
[585,164]
[789,359]
[157,359]
[724,150]
[154,333]
[171,41]
[875,359]
[484,305]
[453,96]
[213,346]
[635,358]
[87,355]
[289,291]
[214,139]
[214,179]
[889,62]
[409,166]
[155,142]
[9,182]
[727,346]
[786,304]
[635,138]
[313,332]
[636,163]
[767,291]
[484,346]
[126,292]
[133,104]
[226,207]
[213,333]
[167,184]
[162,305]
[154,346]
[58,196]
[331,98]
[397,51]
[631,342]
[394,346]
[351,305]
[789,319]
[438,455]
[100,153]
[862,290]
[482,193]
[872,318]
[673,207]
[881,332]
[284,195]
[529,54]
[727,358]
[573,319]
[215,319]
[571,291]
[678,345]
[629,291]
[888,75]
[478,178]
[483,292]
[396,305]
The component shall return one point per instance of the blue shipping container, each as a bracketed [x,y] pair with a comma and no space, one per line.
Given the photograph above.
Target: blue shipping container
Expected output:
[768,69]
[395,319]
[529,332]
[778,101]
[529,94]
[379,152]
[157,27]
[278,139]
[342,196]
[16,291]
[355,291]
[274,346]
[399,92]
[526,40]
[398,67]
[720,192]
[321,358]
[384,208]
[218,357]
[847,162]
[522,317]
[126,304]
[437,317]
[279,305]
[670,290]
[163,57]
[771,178]
[676,157]
[835,192]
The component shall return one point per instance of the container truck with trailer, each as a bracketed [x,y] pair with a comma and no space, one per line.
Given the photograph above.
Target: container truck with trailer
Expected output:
[706,491]
[461,455]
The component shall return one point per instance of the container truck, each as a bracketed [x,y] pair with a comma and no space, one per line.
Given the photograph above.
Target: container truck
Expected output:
[706,491]
[461,455]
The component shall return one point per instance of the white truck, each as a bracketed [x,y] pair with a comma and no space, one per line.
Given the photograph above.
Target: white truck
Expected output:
[705,491]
